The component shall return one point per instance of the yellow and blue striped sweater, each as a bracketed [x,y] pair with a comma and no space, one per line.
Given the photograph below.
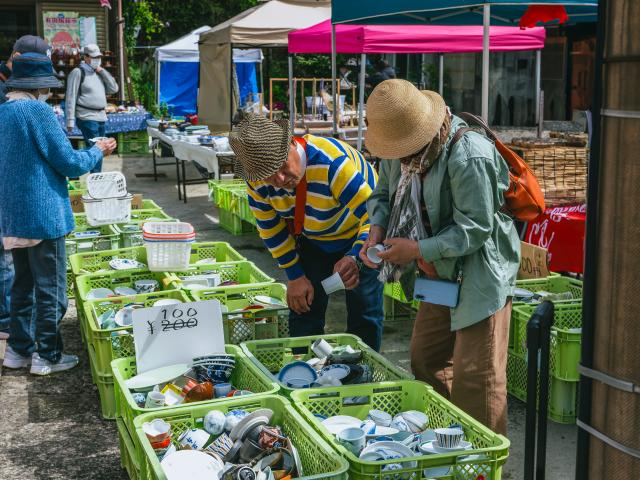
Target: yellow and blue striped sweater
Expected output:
[339,182]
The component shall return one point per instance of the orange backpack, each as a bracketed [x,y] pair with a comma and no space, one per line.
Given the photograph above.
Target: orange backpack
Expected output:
[524,199]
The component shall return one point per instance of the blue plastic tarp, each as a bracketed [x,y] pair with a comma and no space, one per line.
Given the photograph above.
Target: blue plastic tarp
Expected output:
[179,86]
[450,12]
[246,74]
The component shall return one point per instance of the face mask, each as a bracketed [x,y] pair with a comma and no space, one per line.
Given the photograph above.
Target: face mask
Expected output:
[43,97]
[95,62]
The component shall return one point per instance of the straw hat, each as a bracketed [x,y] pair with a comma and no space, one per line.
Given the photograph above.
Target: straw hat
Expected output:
[401,120]
[261,146]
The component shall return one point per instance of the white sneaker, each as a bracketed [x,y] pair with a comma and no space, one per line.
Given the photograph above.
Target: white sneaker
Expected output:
[40,366]
[15,360]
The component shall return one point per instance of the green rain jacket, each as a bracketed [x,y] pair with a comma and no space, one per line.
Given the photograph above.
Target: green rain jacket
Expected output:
[463,193]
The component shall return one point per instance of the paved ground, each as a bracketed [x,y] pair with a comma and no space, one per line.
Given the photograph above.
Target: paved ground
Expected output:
[51,428]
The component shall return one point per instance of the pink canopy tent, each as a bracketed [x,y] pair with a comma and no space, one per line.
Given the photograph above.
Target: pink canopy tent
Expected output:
[412,39]
[439,39]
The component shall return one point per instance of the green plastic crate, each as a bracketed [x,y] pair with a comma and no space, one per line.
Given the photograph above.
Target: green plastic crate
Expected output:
[107,240]
[242,272]
[566,337]
[84,263]
[104,384]
[76,185]
[271,355]
[128,455]
[394,291]
[271,322]
[563,395]
[110,343]
[216,185]
[489,453]
[319,461]
[234,224]
[553,284]
[224,194]
[148,204]
[246,376]
[136,217]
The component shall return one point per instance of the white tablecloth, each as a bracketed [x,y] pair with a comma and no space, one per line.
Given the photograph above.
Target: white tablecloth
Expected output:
[155,133]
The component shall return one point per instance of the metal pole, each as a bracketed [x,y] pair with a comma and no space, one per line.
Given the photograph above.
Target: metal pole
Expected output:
[363,69]
[540,114]
[334,86]
[441,74]
[121,51]
[486,22]
[157,80]
[546,311]
[538,83]
[292,106]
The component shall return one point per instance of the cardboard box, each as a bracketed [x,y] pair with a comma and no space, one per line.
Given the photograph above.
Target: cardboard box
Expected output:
[534,262]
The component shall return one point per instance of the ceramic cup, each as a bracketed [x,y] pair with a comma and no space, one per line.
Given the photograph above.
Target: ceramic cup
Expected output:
[222,389]
[145,285]
[372,253]
[213,422]
[154,400]
[449,437]
[353,439]
[321,348]
[332,284]
[157,430]
[221,445]
[195,438]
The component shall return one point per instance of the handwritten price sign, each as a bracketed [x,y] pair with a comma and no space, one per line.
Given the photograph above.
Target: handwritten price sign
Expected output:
[171,334]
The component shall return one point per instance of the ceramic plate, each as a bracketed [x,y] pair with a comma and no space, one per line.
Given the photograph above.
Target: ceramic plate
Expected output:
[337,371]
[433,447]
[125,264]
[338,423]
[166,301]
[267,300]
[296,459]
[156,376]
[262,416]
[396,448]
[125,291]
[96,293]
[190,464]
[383,431]
[297,369]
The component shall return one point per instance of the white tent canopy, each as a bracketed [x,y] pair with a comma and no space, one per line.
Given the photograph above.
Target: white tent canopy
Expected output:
[184,49]
[266,25]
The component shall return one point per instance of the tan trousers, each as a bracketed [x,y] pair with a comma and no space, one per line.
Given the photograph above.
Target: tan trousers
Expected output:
[468,366]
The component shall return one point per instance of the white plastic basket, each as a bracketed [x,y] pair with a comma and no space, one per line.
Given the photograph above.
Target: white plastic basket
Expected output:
[106,185]
[168,228]
[107,210]
[168,256]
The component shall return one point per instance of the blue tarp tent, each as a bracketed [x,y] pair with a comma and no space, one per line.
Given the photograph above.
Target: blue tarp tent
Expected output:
[178,65]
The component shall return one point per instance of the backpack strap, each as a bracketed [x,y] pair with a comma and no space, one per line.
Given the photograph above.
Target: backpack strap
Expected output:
[458,135]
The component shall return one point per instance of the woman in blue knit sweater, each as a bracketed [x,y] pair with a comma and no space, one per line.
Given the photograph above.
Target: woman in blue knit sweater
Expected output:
[35,213]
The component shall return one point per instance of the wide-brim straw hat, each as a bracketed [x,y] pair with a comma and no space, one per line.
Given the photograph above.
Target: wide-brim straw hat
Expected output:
[31,71]
[261,146]
[402,120]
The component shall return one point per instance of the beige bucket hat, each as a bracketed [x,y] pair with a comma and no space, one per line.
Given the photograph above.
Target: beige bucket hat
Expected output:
[401,120]
[261,146]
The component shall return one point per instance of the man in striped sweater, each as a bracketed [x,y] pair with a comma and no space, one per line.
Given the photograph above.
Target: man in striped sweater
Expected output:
[338,183]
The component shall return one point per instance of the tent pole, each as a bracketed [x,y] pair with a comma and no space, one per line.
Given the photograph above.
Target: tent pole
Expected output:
[486,22]
[157,80]
[261,82]
[292,106]
[363,65]
[441,74]
[334,87]
[538,83]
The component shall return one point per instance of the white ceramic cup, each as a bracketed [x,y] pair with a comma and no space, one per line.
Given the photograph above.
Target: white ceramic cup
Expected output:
[154,400]
[353,439]
[332,284]
[321,348]
[195,438]
[214,422]
[372,253]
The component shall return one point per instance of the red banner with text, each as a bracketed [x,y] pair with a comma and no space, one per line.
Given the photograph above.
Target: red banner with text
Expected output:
[561,231]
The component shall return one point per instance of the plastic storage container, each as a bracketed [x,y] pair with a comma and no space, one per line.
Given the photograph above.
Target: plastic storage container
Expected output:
[106,211]
[168,245]
[271,355]
[318,459]
[485,460]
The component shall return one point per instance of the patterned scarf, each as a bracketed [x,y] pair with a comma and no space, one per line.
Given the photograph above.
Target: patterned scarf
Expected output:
[406,217]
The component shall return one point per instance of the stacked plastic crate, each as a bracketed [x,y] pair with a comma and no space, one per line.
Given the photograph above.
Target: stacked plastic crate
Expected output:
[565,346]
[232,201]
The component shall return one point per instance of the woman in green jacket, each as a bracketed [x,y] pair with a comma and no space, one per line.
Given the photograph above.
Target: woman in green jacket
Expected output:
[438,205]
